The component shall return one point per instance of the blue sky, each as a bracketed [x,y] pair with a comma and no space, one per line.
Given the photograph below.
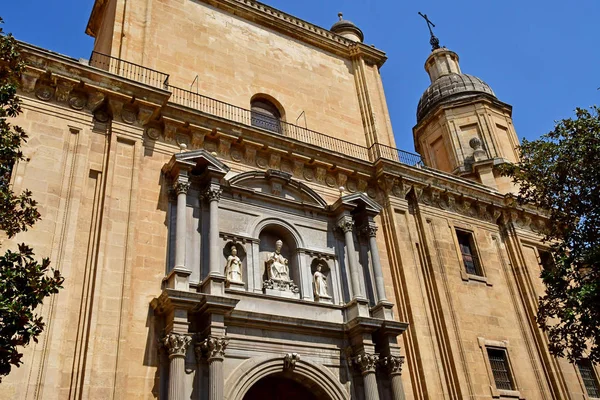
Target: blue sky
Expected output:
[539,56]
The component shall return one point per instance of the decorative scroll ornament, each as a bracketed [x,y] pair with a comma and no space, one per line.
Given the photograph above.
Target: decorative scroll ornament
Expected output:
[290,360]
[213,194]
[393,364]
[214,348]
[366,362]
[181,187]
[177,344]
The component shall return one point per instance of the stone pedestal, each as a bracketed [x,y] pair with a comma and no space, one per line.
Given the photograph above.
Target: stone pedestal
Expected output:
[240,286]
[279,288]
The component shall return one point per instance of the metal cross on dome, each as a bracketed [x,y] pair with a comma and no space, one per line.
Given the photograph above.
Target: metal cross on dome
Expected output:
[433,41]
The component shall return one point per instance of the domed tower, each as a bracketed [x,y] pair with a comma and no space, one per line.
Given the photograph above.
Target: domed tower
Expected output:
[347,29]
[462,128]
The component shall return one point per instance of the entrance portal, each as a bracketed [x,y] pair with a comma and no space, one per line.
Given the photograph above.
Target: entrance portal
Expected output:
[280,387]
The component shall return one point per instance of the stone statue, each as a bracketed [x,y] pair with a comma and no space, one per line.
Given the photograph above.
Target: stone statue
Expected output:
[277,265]
[320,284]
[233,269]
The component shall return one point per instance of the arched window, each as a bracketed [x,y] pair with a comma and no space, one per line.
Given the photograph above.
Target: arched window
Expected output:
[265,115]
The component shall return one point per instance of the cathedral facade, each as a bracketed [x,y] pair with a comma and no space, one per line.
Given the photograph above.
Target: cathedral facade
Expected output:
[258,235]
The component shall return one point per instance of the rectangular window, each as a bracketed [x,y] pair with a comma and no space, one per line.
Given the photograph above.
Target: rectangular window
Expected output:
[469,253]
[500,369]
[589,378]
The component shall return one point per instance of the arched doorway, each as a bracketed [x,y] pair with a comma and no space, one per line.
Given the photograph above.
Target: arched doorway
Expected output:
[281,387]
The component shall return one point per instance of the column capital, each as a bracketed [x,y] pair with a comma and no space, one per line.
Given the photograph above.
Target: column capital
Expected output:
[366,362]
[393,364]
[181,186]
[212,193]
[370,229]
[176,344]
[214,348]
[346,223]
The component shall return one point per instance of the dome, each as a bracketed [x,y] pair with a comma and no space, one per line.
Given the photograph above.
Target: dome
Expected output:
[451,87]
[344,26]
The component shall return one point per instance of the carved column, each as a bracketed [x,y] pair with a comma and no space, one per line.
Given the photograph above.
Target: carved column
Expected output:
[346,224]
[177,345]
[179,277]
[367,364]
[371,231]
[214,349]
[393,364]
[213,195]
[181,188]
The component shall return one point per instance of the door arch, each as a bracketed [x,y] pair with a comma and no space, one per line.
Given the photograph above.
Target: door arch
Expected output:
[318,379]
[280,387]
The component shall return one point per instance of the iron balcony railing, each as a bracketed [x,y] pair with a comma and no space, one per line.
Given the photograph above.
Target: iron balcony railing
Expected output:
[196,101]
[241,115]
[129,70]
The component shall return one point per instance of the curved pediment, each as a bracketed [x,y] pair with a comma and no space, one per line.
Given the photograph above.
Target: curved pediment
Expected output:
[277,183]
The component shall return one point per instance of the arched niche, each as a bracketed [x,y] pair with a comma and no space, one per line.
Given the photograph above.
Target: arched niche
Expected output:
[325,270]
[241,254]
[321,381]
[268,236]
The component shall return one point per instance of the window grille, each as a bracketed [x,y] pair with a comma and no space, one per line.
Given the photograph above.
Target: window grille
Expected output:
[589,378]
[500,369]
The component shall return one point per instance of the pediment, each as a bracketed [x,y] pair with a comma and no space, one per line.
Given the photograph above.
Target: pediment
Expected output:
[278,184]
[357,200]
[196,162]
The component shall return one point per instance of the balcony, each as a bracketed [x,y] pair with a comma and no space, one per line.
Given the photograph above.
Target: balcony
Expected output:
[129,70]
[246,117]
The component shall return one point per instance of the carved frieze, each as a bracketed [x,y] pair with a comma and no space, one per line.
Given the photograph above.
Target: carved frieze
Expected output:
[77,100]
[44,91]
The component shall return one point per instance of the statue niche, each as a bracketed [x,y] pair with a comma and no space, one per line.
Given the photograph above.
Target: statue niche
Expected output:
[321,271]
[279,281]
[233,267]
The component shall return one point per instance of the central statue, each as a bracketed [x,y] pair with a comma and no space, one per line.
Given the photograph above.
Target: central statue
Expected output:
[277,264]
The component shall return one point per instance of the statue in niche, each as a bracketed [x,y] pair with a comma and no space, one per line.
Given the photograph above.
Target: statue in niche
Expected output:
[320,284]
[233,269]
[277,264]
[279,281]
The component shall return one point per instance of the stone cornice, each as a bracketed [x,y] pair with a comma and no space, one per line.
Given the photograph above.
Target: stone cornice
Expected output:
[64,81]
[299,29]
[455,103]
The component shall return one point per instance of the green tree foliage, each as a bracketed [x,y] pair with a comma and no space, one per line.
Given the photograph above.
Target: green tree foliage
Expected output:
[24,283]
[560,172]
